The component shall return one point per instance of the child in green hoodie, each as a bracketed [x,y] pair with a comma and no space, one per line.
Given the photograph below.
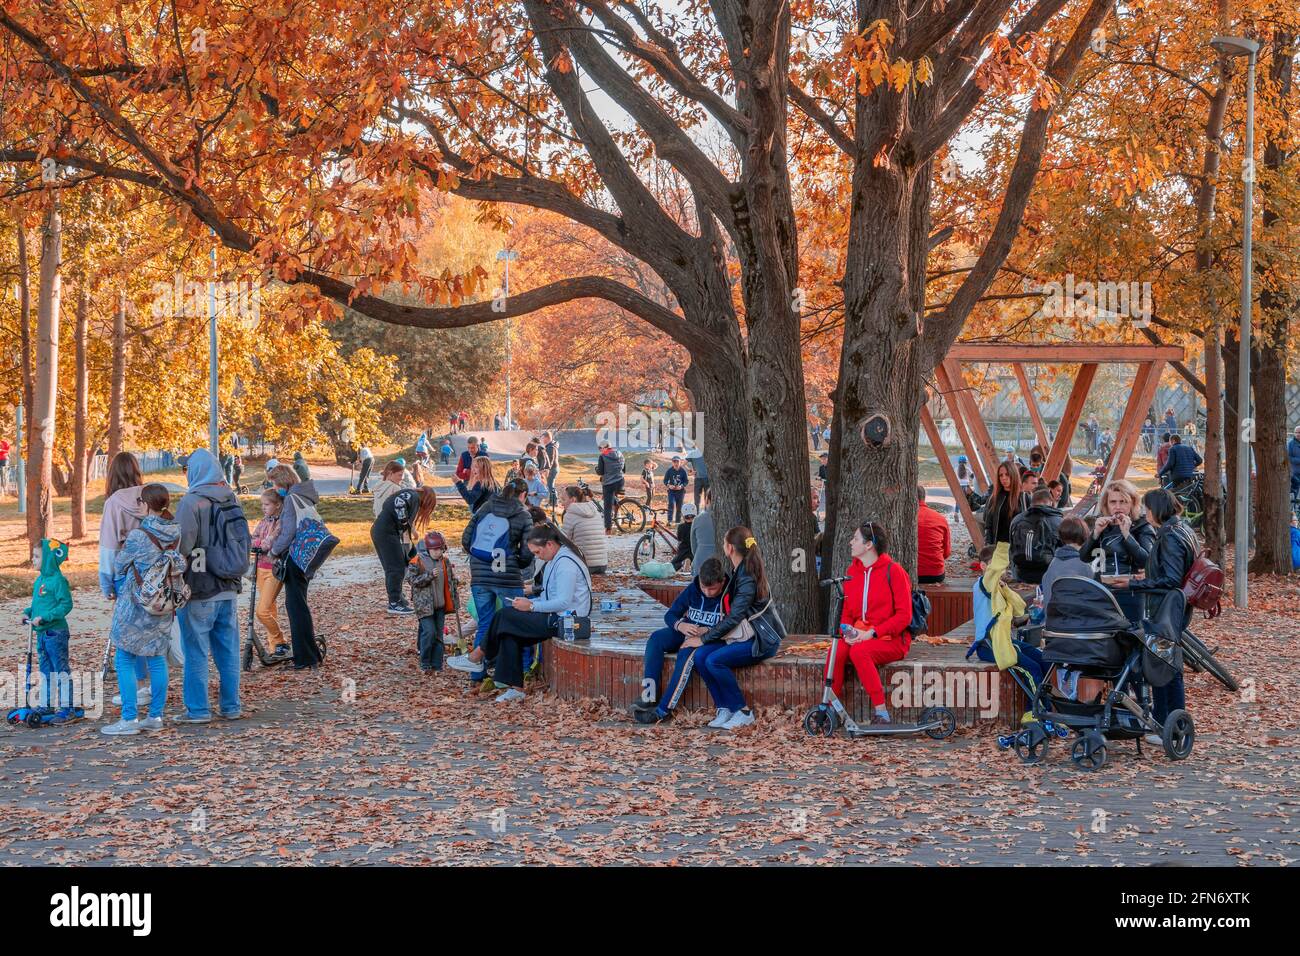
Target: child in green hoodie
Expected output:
[48,615]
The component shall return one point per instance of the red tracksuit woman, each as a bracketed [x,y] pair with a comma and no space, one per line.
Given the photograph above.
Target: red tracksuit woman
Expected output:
[877,609]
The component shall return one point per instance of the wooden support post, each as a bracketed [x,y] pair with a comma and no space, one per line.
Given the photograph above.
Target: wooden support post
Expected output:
[971,412]
[1069,420]
[936,442]
[1031,403]
[983,482]
[1140,399]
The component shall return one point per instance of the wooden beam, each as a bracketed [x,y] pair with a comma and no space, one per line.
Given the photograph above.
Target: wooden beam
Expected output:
[1064,352]
[1031,403]
[949,392]
[1140,399]
[971,412]
[950,473]
[1126,422]
[1069,420]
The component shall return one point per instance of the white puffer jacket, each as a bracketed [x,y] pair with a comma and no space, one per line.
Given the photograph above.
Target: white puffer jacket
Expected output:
[584,525]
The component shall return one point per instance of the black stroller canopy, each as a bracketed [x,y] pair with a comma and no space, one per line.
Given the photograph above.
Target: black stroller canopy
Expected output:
[1083,606]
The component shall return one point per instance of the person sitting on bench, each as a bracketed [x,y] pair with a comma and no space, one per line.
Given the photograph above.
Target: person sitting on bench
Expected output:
[696,609]
[566,586]
[996,609]
[1034,537]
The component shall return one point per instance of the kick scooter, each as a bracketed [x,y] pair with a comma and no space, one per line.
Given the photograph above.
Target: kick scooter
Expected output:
[254,642]
[828,716]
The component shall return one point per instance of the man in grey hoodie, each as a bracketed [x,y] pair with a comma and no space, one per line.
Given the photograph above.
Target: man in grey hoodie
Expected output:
[704,541]
[210,621]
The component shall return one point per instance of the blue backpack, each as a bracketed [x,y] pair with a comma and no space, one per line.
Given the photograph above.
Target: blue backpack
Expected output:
[491,537]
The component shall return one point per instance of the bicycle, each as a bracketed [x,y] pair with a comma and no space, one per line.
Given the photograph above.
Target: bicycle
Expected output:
[647,544]
[630,514]
[1191,495]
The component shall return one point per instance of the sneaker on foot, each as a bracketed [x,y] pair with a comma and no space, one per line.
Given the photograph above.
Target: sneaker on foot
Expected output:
[654,716]
[878,718]
[639,705]
[149,725]
[741,718]
[142,697]
[123,728]
[511,693]
[400,608]
[461,662]
[187,719]
[719,721]
[1153,739]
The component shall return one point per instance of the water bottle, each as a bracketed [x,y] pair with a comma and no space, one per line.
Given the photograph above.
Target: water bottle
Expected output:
[567,625]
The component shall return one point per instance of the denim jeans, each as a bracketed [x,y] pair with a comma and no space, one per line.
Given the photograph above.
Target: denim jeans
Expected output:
[675,498]
[1165,700]
[429,640]
[52,652]
[485,604]
[715,663]
[210,629]
[128,664]
[659,645]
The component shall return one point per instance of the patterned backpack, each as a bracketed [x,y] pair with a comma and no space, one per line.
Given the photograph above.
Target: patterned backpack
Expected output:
[162,590]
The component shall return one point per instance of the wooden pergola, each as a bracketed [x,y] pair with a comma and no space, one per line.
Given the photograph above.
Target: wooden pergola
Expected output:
[974,434]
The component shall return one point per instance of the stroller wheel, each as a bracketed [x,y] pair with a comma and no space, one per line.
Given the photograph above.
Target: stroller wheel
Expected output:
[1178,735]
[1031,744]
[821,722]
[1089,751]
[946,719]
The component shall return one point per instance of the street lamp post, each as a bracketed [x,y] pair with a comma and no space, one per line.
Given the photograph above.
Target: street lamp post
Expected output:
[1238,47]
[507,256]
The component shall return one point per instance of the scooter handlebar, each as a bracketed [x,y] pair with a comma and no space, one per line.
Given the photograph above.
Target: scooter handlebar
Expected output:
[827,582]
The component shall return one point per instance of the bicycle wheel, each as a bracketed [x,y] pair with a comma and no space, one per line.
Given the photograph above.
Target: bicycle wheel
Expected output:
[644,550]
[629,516]
[1202,659]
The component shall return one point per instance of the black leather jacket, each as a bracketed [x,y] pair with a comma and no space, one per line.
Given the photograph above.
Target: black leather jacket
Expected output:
[1124,555]
[1169,559]
[769,630]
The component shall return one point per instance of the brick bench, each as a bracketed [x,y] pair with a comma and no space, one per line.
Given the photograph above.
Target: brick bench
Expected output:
[936,671]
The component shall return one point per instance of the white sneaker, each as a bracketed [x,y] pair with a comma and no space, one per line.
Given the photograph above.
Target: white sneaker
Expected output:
[142,697]
[1153,739]
[149,725]
[461,662]
[720,721]
[741,718]
[511,693]
[123,728]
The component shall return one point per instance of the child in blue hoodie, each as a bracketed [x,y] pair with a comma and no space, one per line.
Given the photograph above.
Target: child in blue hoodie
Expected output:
[696,610]
[48,615]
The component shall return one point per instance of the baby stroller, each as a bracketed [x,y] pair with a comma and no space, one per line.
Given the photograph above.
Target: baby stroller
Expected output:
[1086,632]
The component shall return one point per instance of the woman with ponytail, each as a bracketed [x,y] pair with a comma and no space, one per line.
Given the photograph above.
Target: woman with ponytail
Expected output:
[751,631]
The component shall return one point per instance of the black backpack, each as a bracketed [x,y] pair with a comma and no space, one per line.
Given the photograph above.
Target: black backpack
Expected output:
[920,607]
[1032,545]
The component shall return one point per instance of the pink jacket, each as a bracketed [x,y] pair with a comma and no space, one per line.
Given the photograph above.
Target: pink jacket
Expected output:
[263,535]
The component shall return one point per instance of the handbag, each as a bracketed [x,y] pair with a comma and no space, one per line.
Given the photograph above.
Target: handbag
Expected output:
[312,541]
[744,631]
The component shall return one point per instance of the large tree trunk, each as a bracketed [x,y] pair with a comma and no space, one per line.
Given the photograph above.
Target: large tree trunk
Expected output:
[40,513]
[714,383]
[1272,509]
[25,332]
[1213,528]
[117,385]
[80,458]
[882,363]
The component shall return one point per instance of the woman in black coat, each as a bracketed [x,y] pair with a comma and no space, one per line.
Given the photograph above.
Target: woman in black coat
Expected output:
[1125,537]
[1006,500]
[391,533]
[1169,560]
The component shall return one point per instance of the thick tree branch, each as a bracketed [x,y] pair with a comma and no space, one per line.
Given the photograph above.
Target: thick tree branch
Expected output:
[809,106]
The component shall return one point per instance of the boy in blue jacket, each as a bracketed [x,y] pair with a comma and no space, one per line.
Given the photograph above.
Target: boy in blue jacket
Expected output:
[696,609]
[48,615]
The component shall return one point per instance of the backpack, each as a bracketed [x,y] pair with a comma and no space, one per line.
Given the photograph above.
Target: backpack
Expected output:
[229,541]
[491,536]
[1203,584]
[1032,546]
[920,607]
[161,590]
[312,542]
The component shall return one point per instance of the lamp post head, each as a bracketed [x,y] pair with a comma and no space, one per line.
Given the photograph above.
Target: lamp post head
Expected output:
[1235,46]
[507,255]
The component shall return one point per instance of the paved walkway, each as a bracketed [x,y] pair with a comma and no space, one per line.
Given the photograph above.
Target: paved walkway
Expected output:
[369,761]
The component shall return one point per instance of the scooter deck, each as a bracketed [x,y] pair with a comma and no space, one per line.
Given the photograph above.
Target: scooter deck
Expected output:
[892,730]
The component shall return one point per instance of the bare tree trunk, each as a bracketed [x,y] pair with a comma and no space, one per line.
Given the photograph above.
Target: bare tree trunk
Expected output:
[1213,527]
[25,330]
[40,501]
[117,386]
[1273,482]
[80,458]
